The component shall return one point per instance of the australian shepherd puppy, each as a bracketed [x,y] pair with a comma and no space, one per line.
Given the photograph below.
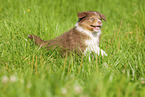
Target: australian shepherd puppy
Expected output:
[83,38]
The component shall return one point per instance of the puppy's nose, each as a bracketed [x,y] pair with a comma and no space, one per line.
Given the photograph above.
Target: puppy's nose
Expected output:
[99,22]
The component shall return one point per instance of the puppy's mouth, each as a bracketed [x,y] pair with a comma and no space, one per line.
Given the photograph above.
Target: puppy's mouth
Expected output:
[97,27]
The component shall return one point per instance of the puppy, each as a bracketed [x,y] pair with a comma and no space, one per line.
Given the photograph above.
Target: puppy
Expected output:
[83,38]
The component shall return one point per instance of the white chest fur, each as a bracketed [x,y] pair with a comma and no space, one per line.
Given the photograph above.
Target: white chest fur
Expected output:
[93,43]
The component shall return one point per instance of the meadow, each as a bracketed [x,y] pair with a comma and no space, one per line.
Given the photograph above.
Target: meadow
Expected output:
[28,71]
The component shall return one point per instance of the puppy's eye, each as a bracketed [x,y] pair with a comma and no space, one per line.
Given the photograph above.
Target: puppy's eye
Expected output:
[92,18]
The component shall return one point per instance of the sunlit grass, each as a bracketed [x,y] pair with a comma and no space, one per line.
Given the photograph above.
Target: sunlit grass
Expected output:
[28,71]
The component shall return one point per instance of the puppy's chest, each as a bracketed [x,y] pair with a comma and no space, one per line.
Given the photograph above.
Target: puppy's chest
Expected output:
[92,44]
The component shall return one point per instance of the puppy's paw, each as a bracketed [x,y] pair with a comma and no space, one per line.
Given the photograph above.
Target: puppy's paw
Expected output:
[103,53]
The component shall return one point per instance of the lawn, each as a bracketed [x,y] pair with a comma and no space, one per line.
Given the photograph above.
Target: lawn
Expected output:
[28,71]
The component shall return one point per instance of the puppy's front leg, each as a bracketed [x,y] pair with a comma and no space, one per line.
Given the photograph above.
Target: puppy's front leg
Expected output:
[97,51]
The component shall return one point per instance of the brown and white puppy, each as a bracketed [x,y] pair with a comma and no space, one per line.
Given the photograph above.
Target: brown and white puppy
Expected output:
[83,38]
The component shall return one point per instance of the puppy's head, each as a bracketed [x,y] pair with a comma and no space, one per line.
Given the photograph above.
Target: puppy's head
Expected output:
[91,20]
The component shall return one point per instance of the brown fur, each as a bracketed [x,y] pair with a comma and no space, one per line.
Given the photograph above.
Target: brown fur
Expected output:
[71,41]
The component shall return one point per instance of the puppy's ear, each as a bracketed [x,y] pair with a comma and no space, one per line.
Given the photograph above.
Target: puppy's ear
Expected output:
[103,17]
[82,14]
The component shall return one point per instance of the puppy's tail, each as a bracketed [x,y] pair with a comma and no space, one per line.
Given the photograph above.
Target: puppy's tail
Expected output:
[38,41]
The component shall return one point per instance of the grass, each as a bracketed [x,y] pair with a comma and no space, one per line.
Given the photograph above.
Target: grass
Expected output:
[27,71]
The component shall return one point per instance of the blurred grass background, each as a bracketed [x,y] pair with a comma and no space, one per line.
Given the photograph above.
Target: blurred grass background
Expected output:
[27,71]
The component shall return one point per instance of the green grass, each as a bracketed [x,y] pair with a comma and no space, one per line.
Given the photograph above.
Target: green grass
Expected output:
[27,71]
